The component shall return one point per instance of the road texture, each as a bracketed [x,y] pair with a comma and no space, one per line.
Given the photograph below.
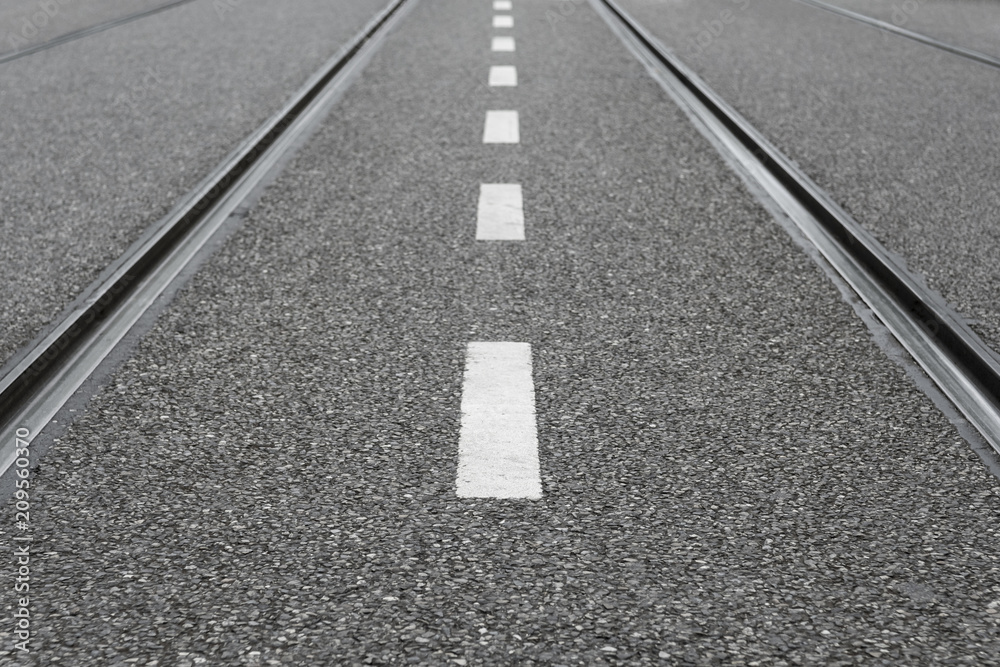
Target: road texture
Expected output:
[103,135]
[902,135]
[30,23]
[973,24]
[733,471]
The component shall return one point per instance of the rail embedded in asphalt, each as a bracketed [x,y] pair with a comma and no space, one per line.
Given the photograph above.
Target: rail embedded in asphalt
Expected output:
[971,54]
[956,358]
[89,30]
[47,372]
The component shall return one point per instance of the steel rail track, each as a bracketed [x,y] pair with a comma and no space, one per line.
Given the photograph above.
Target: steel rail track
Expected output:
[978,56]
[89,30]
[42,377]
[956,358]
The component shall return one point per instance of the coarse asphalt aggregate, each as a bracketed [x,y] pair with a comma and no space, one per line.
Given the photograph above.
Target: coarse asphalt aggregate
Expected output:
[902,135]
[32,23]
[103,135]
[972,24]
[733,471]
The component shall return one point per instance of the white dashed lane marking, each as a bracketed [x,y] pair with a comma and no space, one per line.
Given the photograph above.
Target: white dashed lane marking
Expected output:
[502,127]
[503,21]
[498,442]
[500,216]
[503,44]
[502,5]
[503,75]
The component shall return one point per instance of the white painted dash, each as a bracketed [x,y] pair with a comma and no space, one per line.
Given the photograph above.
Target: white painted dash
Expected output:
[500,216]
[498,442]
[503,21]
[502,127]
[502,5]
[503,43]
[503,75]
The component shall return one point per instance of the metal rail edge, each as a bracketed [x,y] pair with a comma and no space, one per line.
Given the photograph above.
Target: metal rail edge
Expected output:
[39,380]
[978,56]
[89,30]
[955,357]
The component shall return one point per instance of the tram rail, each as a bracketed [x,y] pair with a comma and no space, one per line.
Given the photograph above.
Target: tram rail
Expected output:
[963,366]
[42,377]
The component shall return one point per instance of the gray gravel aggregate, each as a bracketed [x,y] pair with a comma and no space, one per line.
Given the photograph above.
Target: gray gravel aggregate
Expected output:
[28,23]
[105,134]
[901,134]
[973,24]
[733,472]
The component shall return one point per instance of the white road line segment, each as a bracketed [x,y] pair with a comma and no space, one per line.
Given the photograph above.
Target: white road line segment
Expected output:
[503,75]
[500,216]
[498,442]
[503,44]
[502,5]
[503,21]
[502,127]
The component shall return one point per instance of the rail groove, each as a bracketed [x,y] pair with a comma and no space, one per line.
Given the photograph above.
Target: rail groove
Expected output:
[41,377]
[955,357]
[971,54]
[89,30]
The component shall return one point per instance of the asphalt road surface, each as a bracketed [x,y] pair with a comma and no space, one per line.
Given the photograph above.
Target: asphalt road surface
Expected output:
[737,465]
[29,24]
[902,135]
[971,24]
[103,135]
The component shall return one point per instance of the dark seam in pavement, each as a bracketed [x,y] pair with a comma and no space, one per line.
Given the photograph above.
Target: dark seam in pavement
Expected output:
[86,32]
[33,366]
[977,364]
[978,56]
